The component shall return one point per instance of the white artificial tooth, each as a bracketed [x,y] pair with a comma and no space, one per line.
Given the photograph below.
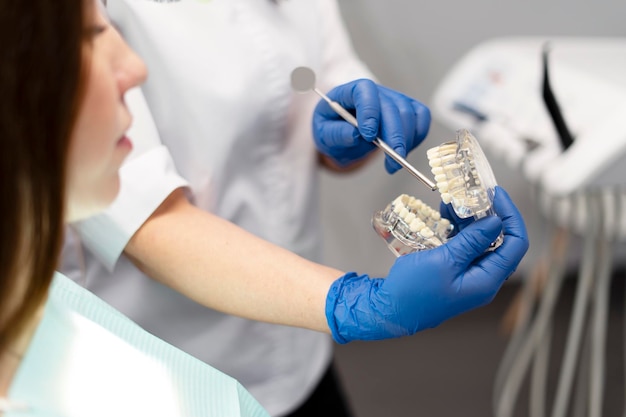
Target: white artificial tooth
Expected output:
[446,198]
[441,177]
[434,162]
[436,215]
[448,150]
[452,165]
[459,193]
[403,212]
[456,182]
[445,223]
[409,217]
[416,225]
[443,187]
[447,158]
[398,201]
[427,232]
[397,208]
[437,171]
[432,151]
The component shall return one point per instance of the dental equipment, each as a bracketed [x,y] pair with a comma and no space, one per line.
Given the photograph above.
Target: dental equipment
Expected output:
[303,81]
[501,89]
[496,90]
[465,181]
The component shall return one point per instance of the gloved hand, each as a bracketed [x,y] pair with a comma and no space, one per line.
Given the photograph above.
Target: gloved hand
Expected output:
[425,288]
[398,120]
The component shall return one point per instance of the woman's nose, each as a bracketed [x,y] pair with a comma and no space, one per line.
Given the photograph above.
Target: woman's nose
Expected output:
[131,69]
[137,71]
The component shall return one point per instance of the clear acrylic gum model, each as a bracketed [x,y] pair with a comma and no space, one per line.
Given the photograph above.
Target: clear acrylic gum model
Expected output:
[465,181]
[407,224]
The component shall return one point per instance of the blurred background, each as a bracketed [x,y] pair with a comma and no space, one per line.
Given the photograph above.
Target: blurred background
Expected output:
[410,46]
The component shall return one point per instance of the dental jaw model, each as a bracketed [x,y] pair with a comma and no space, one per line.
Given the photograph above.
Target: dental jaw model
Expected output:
[465,181]
[463,175]
[408,225]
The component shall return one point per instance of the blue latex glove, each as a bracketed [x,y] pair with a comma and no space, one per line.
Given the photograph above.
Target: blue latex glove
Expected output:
[398,120]
[425,288]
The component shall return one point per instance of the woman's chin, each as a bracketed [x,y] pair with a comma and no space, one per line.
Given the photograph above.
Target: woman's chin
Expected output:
[81,209]
[77,213]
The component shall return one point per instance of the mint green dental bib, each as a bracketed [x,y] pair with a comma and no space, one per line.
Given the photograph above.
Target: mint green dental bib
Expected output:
[87,359]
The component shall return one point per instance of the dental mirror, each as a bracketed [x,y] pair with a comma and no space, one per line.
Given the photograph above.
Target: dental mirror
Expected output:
[302,79]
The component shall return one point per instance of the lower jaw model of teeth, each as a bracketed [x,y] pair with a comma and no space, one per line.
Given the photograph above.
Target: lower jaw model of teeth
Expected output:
[408,225]
[465,181]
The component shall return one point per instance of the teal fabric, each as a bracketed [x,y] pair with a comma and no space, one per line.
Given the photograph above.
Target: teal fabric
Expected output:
[86,358]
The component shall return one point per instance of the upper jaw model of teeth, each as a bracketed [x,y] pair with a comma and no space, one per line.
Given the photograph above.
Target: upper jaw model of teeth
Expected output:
[463,176]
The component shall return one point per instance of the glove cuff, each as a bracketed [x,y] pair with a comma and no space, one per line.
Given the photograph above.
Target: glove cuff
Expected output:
[335,293]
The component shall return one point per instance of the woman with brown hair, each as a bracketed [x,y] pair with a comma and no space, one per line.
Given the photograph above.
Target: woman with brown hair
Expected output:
[63,352]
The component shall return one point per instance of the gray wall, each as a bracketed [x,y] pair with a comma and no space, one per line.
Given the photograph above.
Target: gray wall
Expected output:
[410,45]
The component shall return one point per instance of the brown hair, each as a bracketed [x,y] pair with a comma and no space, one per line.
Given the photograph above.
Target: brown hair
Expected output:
[41,81]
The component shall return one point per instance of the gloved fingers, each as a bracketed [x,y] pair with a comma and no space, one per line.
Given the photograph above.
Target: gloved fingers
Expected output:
[490,271]
[423,121]
[336,138]
[361,98]
[480,283]
[512,220]
[447,211]
[404,124]
[335,133]
[394,129]
[414,115]
[507,257]
[472,242]
[397,119]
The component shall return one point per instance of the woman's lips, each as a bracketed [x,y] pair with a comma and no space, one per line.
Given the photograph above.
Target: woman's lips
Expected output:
[124,142]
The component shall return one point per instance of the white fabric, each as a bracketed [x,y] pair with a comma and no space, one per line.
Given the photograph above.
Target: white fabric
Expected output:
[86,359]
[219,93]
